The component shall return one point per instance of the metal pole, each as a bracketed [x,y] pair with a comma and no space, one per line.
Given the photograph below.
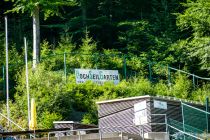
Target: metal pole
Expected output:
[100,135]
[193,80]
[183,119]
[27,83]
[95,59]
[64,62]
[124,66]
[141,131]
[58,136]
[166,123]
[150,72]
[197,81]
[3,71]
[169,76]
[79,135]
[2,115]
[207,117]
[7,72]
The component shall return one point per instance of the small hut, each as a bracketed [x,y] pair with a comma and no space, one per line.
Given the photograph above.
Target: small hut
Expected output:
[145,115]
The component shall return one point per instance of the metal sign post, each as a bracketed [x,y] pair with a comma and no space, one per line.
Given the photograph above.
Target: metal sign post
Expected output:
[27,83]
[7,72]
[141,131]
[207,116]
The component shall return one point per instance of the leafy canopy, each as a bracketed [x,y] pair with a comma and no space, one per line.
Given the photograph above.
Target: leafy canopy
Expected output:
[50,8]
[195,21]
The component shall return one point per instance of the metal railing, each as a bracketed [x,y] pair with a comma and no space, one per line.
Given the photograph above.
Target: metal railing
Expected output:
[176,131]
[160,123]
[11,121]
[70,131]
[141,130]
[184,133]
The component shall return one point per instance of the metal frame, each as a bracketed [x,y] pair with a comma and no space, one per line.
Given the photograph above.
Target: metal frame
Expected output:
[185,132]
[77,130]
[9,120]
[164,123]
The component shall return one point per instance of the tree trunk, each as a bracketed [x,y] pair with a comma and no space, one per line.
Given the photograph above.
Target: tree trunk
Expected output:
[36,37]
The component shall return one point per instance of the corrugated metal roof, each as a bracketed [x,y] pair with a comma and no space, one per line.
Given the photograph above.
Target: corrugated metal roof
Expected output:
[64,122]
[168,98]
[123,99]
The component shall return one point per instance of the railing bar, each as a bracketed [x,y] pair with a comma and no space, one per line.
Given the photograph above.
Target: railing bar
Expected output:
[158,114]
[195,108]
[185,132]
[12,122]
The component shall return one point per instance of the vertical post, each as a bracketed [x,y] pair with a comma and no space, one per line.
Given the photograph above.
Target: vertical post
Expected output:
[64,62]
[3,71]
[125,67]
[193,80]
[207,117]
[7,72]
[150,72]
[100,135]
[197,81]
[166,122]
[59,136]
[27,83]
[141,131]
[48,136]
[79,135]
[183,119]
[96,59]
[121,135]
[169,75]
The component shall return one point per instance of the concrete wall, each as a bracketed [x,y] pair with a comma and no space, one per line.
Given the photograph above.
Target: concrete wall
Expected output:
[157,135]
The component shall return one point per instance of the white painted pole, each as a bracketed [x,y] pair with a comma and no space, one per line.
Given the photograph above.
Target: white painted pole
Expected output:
[7,72]
[27,83]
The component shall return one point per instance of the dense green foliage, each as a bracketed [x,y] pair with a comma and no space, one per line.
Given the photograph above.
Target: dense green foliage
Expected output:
[60,98]
[195,21]
[126,35]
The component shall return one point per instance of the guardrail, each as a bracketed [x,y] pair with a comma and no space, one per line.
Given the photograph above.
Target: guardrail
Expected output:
[179,131]
[70,131]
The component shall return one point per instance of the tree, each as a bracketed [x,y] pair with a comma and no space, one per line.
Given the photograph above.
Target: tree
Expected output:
[34,7]
[195,22]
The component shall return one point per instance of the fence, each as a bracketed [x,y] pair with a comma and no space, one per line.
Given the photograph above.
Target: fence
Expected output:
[73,134]
[68,61]
[196,118]
[176,132]
[159,123]
[128,67]
[76,134]
[84,134]
[194,125]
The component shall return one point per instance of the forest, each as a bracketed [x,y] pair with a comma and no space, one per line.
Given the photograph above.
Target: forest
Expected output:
[159,47]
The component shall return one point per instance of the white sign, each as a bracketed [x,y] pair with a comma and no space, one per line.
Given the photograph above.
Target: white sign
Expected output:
[140,113]
[140,117]
[160,104]
[97,76]
[140,106]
